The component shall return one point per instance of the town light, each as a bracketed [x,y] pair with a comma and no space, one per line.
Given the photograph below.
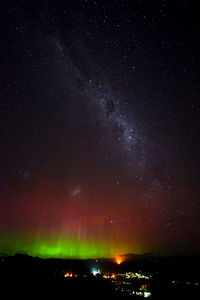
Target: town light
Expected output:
[119,260]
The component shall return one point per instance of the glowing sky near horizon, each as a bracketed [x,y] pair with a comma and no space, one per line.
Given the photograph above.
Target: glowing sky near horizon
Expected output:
[99,128]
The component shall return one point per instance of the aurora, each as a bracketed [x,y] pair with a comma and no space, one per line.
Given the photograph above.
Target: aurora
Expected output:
[58,248]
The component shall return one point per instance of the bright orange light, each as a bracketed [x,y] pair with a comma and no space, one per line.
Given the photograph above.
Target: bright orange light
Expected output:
[68,274]
[108,276]
[119,260]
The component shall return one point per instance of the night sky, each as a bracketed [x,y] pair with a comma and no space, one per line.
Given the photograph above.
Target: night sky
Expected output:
[99,127]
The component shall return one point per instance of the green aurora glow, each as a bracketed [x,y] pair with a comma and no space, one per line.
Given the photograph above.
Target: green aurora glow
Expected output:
[67,248]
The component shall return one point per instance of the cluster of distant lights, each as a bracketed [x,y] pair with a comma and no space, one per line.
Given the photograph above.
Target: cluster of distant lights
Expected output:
[127,275]
[69,274]
[135,275]
[144,294]
[142,291]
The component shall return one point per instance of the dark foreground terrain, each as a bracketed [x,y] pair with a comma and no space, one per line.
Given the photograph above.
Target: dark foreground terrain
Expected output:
[136,278]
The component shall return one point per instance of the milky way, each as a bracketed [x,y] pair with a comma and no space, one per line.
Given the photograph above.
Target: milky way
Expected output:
[107,107]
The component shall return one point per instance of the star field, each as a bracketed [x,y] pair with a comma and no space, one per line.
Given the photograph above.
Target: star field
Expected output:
[99,130]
